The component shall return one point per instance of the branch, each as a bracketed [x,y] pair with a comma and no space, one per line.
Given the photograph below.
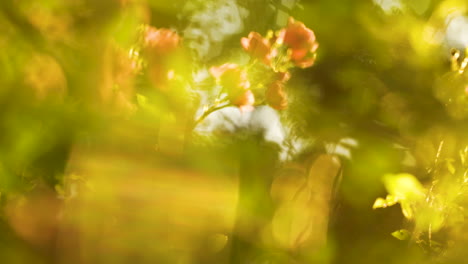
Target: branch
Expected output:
[207,112]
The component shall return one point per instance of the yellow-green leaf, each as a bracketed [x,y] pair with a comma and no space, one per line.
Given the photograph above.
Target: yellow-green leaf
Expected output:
[404,186]
[401,234]
[406,209]
[379,203]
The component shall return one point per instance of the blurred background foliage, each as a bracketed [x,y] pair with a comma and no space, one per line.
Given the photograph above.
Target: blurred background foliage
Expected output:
[112,151]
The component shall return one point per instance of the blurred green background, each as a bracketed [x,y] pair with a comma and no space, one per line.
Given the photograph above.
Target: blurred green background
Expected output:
[98,164]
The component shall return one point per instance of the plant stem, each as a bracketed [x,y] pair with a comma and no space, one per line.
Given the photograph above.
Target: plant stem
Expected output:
[207,112]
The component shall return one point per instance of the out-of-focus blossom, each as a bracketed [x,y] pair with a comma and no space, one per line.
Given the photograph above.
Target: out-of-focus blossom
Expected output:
[158,75]
[234,79]
[161,47]
[245,101]
[160,41]
[297,36]
[231,77]
[300,41]
[306,61]
[283,76]
[125,67]
[45,76]
[275,95]
[258,47]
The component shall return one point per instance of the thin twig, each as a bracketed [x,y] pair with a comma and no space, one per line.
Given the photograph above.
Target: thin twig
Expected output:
[207,112]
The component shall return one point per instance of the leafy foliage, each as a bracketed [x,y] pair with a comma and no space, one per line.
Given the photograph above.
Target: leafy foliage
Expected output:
[222,132]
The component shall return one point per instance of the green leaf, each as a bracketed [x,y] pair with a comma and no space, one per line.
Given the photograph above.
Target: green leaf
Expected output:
[404,186]
[383,203]
[402,234]
[407,210]
[379,203]
[391,200]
